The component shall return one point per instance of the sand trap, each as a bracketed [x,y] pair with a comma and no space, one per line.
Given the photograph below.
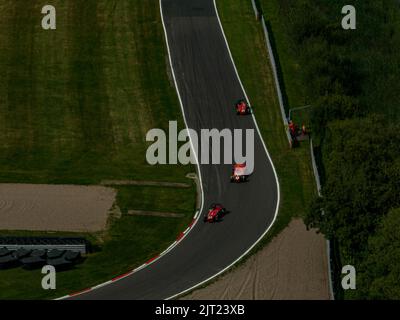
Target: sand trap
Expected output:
[292,266]
[54,207]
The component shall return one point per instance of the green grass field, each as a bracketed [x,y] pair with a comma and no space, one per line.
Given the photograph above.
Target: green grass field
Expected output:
[292,165]
[75,107]
[76,103]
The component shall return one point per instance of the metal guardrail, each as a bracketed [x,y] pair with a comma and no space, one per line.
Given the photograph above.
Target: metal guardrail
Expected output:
[259,16]
[277,84]
[285,122]
[256,12]
[274,70]
[328,243]
[276,78]
[315,169]
[45,243]
[76,248]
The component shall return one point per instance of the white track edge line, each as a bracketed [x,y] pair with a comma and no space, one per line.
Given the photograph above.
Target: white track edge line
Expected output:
[269,157]
[102,285]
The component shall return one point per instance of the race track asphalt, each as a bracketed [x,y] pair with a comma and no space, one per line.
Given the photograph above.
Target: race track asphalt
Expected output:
[208,87]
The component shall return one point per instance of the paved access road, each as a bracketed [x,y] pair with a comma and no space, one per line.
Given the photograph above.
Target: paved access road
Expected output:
[208,87]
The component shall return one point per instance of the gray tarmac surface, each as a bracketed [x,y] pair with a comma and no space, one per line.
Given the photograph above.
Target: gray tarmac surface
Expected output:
[209,87]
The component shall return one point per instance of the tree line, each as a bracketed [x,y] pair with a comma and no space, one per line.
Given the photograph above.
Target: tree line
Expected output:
[352,78]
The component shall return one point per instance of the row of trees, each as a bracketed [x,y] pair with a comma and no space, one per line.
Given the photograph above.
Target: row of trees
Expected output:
[353,79]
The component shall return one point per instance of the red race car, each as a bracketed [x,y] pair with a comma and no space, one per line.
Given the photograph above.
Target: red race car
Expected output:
[242,107]
[215,213]
[239,173]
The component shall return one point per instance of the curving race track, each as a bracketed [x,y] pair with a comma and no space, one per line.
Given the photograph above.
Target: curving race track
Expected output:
[208,86]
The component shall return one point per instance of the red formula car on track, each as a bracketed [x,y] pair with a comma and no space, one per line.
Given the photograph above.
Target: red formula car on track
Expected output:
[242,107]
[215,213]
[239,173]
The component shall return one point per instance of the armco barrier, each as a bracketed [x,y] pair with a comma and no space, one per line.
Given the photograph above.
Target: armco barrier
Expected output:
[328,243]
[315,169]
[259,15]
[276,78]
[256,12]
[285,122]
[274,71]
[45,243]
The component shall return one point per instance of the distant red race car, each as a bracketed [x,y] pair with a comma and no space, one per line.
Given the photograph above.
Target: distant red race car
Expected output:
[242,107]
[215,213]
[239,173]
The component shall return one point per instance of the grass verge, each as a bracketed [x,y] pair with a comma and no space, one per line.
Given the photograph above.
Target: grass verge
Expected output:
[77,102]
[75,106]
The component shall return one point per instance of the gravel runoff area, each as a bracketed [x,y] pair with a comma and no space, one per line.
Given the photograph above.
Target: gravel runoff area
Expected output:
[55,207]
[292,267]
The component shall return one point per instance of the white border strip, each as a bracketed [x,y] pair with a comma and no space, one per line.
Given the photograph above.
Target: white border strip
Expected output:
[268,155]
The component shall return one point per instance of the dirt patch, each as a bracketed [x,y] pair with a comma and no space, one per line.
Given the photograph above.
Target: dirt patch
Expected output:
[54,207]
[292,266]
